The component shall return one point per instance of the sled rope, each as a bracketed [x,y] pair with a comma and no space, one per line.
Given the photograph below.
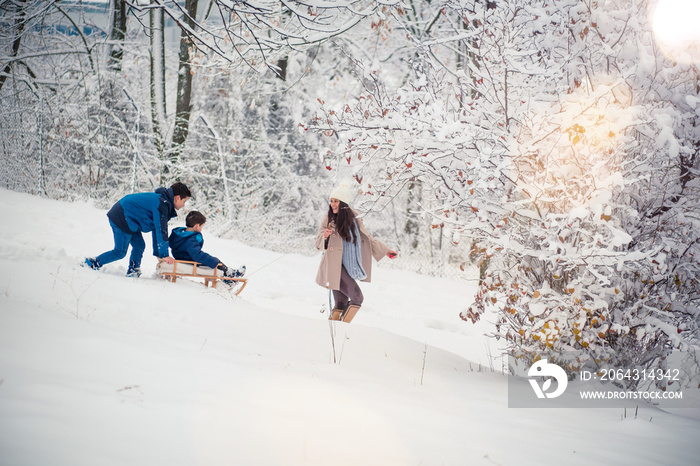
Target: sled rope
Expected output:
[269,263]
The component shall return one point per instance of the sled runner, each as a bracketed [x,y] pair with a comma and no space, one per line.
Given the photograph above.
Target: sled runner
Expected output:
[195,270]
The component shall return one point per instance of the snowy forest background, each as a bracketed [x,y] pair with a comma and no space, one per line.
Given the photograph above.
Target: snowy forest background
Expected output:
[552,144]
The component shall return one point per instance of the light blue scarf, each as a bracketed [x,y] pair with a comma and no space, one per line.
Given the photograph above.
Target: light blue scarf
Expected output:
[352,256]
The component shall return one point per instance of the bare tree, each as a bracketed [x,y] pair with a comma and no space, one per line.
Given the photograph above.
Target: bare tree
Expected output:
[257,34]
[117,34]
[184,85]
[19,22]
[158,109]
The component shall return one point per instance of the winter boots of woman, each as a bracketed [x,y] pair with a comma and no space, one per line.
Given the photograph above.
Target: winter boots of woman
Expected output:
[345,315]
[350,312]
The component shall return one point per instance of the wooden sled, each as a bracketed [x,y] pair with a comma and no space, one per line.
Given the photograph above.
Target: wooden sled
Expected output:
[196,270]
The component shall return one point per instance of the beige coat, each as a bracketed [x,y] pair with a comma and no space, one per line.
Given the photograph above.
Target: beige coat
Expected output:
[329,270]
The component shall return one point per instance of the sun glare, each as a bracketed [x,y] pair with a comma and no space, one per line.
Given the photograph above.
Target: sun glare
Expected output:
[675,24]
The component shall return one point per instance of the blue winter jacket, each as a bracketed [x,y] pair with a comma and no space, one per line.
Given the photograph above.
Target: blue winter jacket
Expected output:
[187,246]
[144,212]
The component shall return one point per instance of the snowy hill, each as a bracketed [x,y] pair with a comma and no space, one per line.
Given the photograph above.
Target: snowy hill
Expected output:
[99,369]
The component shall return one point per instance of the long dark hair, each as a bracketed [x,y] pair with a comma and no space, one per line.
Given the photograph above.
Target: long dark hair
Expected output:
[344,222]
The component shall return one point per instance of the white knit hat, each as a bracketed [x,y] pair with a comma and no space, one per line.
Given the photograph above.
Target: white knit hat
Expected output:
[342,192]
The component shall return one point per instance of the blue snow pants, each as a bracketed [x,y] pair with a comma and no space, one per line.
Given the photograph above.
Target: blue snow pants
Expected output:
[122,240]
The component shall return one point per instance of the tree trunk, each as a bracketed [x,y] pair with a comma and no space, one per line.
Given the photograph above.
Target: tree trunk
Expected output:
[281,70]
[19,24]
[157,24]
[117,34]
[184,86]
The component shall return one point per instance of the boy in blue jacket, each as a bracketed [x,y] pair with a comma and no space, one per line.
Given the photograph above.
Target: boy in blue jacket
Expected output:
[187,243]
[137,213]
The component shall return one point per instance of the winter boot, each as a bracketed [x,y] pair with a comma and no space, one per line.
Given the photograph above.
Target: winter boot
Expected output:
[92,262]
[134,271]
[335,314]
[350,312]
[231,273]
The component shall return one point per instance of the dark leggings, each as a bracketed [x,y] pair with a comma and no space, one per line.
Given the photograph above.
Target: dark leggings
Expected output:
[349,291]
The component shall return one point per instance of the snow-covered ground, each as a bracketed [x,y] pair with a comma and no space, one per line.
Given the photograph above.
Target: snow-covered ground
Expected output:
[98,369]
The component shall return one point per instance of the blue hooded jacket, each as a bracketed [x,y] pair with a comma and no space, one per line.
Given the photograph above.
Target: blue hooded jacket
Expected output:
[144,212]
[187,246]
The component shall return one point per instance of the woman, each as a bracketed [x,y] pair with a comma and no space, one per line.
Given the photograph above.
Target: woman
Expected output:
[348,251]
